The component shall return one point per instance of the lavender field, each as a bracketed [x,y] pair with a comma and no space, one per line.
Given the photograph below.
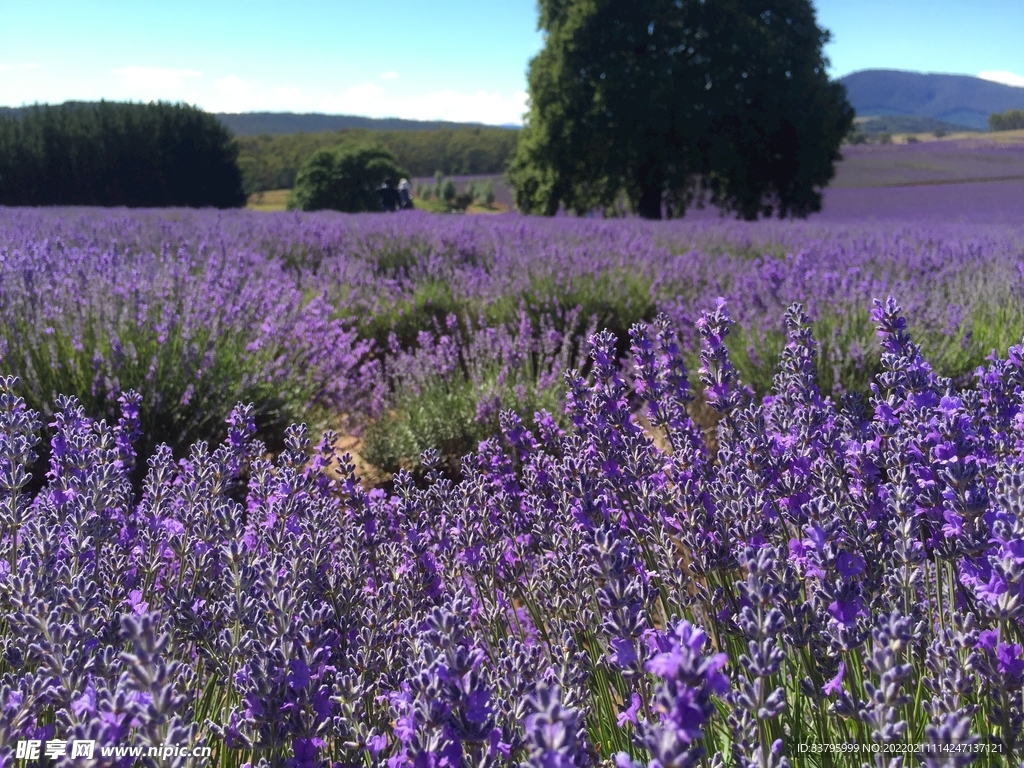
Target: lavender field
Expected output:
[965,180]
[935,162]
[665,494]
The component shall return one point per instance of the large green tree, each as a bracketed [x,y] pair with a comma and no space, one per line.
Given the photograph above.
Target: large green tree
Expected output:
[664,102]
[345,178]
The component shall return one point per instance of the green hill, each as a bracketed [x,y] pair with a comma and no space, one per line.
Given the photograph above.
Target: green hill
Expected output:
[271,161]
[256,123]
[961,100]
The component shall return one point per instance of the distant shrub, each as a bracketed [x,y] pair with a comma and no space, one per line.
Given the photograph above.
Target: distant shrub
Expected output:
[939,133]
[438,182]
[915,140]
[463,201]
[577,305]
[481,192]
[448,191]
[448,392]
[487,193]
[885,138]
[344,179]
[137,155]
[429,305]
[1011,120]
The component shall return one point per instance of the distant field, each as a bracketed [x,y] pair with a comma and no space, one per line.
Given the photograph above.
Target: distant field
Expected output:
[948,161]
[967,177]
[998,137]
[991,202]
[502,192]
[271,200]
[439,206]
[275,199]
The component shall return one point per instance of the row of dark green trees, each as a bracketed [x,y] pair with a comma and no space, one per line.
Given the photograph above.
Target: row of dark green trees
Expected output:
[152,155]
[107,153]
[1011,120]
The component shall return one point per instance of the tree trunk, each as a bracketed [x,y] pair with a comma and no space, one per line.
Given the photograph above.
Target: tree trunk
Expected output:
[650,201]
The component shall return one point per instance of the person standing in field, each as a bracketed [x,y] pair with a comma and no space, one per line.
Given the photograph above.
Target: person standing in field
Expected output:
[389,198]
[404,197]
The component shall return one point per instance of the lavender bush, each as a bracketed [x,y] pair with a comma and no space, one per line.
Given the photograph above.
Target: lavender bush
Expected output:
[449,390]
[609,592]
[95,308]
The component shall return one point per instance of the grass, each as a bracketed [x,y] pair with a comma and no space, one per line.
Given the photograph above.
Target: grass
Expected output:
[613,300]
[427,308]
[492,208]
[452,413]
[271,200]
[996,137]
[433,205]
[277,199]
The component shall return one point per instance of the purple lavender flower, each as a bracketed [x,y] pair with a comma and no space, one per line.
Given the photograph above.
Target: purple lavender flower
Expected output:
[683,698]
[555,734]
[443,712]
[723,390]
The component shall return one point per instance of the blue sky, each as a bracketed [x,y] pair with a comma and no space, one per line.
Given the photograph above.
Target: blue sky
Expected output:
[445,59]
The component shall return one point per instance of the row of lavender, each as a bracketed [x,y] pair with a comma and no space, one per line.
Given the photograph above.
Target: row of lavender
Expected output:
[843,573]
[425,327]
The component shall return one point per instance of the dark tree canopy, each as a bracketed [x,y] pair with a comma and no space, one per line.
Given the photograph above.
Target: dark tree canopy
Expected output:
[272,162]
[345,178]
[668,101]
[109,153]
[1011,120]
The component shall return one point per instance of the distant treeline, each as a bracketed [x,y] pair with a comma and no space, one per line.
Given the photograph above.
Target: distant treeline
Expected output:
[271,162]
[258,123]
[1011,120]
[909,124]
[107,153]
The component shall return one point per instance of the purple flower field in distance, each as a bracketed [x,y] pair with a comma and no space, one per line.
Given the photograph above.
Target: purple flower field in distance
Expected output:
[980,180]
[689,493]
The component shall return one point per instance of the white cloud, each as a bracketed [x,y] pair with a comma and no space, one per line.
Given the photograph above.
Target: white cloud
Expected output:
[232,84]
[234,94]
[156,82]
[24,67]
[1003,76]
[386,95]
[366,93]
[371,100]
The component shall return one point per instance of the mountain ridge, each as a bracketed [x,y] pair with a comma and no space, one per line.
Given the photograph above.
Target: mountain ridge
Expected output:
[256,123]
[958,99]
[285,123]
